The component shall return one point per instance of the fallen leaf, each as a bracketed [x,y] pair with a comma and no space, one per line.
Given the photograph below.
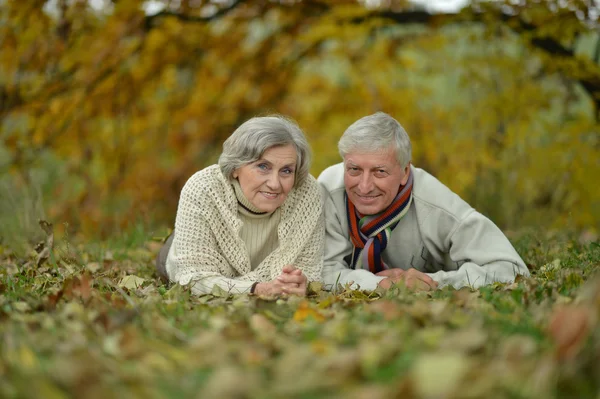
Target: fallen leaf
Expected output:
[21,306]
[438,375]
[569,327]
[131,282]
[467,340]
[262,325]
[93,267]
[314,287]
[231,382]
[305,312]
[388,309]
[44,249]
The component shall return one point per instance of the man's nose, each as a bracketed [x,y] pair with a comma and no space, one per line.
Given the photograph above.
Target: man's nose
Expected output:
[365,184]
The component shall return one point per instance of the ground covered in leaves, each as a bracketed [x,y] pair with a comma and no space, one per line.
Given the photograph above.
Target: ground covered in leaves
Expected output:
[93,320]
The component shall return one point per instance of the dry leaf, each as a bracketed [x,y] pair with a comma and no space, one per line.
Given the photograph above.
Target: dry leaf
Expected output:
[438,375]
[569,327]
[131,282]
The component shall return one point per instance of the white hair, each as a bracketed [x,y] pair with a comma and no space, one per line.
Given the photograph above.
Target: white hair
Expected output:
[374,133]
[249,142]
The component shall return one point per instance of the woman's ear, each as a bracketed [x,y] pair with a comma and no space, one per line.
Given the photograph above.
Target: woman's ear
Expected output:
[234,174]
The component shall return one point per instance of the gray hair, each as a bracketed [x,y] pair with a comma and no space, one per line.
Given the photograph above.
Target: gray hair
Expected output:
[249,142]
[374,133]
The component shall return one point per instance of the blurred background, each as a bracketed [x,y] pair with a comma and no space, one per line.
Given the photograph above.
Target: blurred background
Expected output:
[107,107]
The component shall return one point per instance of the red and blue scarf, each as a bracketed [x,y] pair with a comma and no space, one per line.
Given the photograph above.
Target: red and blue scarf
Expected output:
[370,234]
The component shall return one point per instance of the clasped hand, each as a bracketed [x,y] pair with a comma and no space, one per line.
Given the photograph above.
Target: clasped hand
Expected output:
[291,281]
[412,278]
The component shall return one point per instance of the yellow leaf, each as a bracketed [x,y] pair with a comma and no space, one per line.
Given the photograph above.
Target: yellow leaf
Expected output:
[131,282]
[437,375]
[305,312]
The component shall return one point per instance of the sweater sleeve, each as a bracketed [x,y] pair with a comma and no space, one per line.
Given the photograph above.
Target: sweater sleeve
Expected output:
[194,258]
[310,259]
[337,246]
[480,254]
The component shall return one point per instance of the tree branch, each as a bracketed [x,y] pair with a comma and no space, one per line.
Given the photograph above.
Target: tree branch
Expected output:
[586,72]
[190,18]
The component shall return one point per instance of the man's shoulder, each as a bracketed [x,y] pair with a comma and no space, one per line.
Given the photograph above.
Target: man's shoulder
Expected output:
[332,178]
[429,192]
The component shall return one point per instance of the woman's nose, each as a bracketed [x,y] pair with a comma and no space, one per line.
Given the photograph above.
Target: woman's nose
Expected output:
[273,181]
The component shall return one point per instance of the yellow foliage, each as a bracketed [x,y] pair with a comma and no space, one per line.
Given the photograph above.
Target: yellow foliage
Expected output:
[306,312]
[129,105]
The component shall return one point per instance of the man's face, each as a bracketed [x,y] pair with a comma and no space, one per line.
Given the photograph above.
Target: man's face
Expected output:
[373,179]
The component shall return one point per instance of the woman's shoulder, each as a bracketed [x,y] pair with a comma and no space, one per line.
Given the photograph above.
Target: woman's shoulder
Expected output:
[205,181]
[307,197]
[309,187]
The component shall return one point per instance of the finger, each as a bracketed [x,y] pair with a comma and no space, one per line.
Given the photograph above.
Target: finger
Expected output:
[428,280]
[385,273]
[300,291]
[416,284]
[420,275]
[431,284]
[388,282]
[423,286]
[291,278]
[288,269]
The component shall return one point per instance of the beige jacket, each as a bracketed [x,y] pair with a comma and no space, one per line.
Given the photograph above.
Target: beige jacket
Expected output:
[441,235]
[207,248]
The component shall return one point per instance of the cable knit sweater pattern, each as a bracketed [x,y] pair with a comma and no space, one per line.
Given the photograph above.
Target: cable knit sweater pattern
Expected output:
[207,233]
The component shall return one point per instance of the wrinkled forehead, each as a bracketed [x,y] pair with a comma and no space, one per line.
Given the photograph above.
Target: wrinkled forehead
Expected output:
[382,157]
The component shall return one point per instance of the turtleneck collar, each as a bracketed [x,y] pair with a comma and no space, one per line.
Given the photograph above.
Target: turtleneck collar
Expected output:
[246,206]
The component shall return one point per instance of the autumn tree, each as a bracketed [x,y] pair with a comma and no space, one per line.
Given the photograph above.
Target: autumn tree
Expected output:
[125,102]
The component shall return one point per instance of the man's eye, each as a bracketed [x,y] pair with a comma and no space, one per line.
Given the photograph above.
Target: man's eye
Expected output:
[381,173]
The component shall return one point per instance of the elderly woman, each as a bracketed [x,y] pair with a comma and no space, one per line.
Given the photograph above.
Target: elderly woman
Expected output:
[254,222]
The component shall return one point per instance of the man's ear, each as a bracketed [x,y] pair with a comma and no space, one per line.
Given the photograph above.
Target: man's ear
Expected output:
[406,174]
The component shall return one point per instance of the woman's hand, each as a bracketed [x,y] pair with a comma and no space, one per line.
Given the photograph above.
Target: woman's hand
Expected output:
[291,281]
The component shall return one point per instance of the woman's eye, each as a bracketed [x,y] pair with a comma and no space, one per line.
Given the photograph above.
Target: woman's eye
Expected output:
[287,171]
[263,166]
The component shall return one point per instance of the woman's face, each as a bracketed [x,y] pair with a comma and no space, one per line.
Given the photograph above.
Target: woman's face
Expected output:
[267,182]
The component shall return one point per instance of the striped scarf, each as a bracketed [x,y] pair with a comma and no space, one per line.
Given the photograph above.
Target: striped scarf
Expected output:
[370,234]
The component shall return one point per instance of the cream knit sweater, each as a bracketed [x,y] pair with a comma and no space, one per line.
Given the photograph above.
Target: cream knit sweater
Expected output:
[208,248]
[259,230]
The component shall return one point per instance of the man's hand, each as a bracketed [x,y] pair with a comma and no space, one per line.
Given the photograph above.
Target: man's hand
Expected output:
[412,278]
[291,281]
[392,273]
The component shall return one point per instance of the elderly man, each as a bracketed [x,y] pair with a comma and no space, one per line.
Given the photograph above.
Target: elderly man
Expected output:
[388,221]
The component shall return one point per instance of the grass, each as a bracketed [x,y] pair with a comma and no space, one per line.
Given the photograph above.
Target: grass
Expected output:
[72,327]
